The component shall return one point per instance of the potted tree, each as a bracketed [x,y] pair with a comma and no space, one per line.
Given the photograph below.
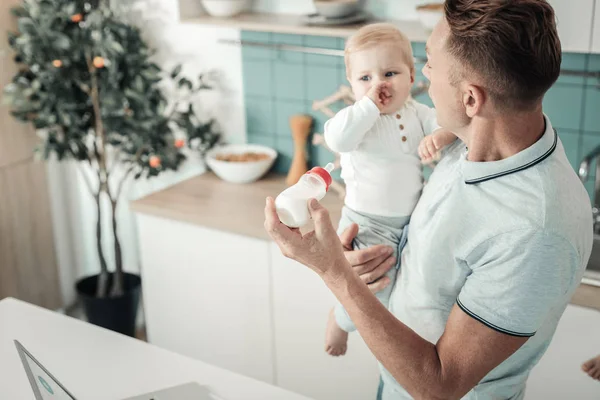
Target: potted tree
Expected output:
[87,83]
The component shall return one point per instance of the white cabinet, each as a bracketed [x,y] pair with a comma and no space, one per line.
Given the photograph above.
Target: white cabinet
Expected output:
[596,34]
[574,24]
[558,374]
[237,303]
[206,295]
[301,303]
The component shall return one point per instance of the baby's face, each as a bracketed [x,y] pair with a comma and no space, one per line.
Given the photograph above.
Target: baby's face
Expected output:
[382,63]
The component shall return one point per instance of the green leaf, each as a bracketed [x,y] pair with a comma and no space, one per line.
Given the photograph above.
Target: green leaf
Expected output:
[176,71]
[10,88]
[19,12]
[26,25]
[138,84]
[61,41]
[185,82]
[70,9]
[116,47]
[22,40]
[12,38]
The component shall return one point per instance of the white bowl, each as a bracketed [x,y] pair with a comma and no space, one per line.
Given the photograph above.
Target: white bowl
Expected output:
[224,8]
[430,17]
[338,8]
[242,171]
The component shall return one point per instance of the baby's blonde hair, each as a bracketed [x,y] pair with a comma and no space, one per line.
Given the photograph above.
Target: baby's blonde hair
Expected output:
[377,34]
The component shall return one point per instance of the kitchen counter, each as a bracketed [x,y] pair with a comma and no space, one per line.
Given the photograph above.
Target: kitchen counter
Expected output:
[210,202]
[587,296]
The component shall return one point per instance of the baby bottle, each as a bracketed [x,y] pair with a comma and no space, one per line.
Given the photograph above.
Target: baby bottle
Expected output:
[292,203]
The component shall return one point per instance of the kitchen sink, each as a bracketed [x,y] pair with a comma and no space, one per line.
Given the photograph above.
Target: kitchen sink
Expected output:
[592,272]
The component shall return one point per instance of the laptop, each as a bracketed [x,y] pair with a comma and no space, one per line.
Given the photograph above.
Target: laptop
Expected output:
[46,387]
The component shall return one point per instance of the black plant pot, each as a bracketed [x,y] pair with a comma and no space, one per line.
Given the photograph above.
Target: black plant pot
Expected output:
[115,313]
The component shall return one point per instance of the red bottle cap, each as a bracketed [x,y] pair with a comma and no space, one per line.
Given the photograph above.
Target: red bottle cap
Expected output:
[323,174]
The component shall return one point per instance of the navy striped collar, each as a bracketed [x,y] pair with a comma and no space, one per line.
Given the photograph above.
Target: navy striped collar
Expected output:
[477,172]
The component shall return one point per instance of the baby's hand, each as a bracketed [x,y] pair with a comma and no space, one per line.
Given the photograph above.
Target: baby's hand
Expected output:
[380,94]
[428,151]
[430,147]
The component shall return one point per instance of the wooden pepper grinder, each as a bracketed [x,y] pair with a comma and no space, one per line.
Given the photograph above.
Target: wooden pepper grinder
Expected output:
[301,126]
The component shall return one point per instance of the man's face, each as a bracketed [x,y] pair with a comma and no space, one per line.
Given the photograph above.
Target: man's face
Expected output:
[445,94]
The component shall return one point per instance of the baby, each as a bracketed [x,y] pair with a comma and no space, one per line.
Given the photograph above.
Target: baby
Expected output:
[381,139]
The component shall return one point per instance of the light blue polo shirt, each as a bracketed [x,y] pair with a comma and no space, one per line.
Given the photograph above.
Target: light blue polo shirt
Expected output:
[508,242]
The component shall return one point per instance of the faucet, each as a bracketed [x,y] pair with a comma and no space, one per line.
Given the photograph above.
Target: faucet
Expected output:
[584,171]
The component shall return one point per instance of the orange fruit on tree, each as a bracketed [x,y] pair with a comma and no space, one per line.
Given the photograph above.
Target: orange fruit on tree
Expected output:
[98,62]
[155,161]
[76,18]
[57,63]
[179,143]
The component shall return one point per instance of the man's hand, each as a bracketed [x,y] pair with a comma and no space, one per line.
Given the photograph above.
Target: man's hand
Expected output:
[320,250]
[380,94]
[370,264]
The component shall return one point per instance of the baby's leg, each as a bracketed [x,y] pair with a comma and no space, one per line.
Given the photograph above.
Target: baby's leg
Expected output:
[366,239]
[373,230]
[336,339]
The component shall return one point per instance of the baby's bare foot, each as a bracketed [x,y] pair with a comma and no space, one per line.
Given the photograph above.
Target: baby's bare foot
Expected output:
[592,367]
[336,339]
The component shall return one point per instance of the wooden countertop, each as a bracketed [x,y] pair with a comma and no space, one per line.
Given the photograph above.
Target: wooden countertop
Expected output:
[210,202]
[213,203]
[587,296]
[295,24]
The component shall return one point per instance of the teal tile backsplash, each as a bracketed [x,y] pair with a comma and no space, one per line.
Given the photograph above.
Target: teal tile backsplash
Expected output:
[592,109]
[279,84]
[563,103]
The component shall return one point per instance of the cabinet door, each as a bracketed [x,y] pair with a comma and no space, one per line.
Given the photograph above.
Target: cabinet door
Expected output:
[596,34]
[558,374]
[574,24]
[301,303]
[206,295]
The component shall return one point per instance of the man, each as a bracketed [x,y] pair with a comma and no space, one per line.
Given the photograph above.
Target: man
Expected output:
[501,235]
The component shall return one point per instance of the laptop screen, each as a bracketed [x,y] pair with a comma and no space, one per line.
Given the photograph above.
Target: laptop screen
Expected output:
[47,386]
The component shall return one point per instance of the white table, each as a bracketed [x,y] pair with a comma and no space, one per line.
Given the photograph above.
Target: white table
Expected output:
[94,363]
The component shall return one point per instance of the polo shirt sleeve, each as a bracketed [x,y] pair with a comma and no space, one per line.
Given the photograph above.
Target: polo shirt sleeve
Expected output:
[517,278]
[427,117]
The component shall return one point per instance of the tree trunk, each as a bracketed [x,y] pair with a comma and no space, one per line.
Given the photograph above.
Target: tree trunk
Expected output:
[117,288]
[102,288]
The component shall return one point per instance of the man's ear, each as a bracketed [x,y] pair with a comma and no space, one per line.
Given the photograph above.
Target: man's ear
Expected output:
[473,99]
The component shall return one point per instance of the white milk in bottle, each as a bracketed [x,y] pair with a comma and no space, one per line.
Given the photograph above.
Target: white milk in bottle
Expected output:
[292,203]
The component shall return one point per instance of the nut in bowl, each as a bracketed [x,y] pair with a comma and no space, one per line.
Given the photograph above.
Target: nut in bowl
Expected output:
[243,163]
[430,14]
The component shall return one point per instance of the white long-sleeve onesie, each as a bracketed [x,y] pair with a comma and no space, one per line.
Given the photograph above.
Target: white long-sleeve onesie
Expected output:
[379,155]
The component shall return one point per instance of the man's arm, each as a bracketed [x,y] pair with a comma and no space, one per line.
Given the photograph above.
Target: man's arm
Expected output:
[502,313]
[465,353]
